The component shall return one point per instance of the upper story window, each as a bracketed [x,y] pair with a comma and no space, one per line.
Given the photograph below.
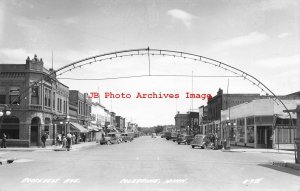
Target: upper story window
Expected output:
[14,95]
[47,97]
[53,103]
[35,95]
[2,99]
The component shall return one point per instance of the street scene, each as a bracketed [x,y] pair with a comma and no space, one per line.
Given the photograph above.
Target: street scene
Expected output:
[147,164]
[149,95]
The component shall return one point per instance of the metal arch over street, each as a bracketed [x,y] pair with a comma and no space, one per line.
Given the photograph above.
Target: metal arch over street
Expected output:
[159,52]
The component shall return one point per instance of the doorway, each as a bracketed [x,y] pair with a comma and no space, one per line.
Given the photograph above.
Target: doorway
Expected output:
[34,136]
[264,134]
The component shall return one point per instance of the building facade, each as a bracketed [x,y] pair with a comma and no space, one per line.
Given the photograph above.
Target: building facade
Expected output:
[120,123]
[221,102]
[182,122]
[34,106]
[260,124]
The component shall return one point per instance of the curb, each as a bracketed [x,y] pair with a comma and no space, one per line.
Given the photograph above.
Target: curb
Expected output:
[75,147]
[286,164]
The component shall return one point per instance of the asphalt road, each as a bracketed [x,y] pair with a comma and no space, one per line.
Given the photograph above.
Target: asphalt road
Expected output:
[146,164]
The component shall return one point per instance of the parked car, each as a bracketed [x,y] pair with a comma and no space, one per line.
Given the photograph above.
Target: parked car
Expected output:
[181,139]
[153,135]
[189,139]
[174,136]
[200,141]
[104,140]
[186,139]
[114,137]
[126,137]
[167,135]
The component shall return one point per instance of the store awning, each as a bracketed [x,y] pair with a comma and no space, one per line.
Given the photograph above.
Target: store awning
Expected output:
[93,128]
[78,127]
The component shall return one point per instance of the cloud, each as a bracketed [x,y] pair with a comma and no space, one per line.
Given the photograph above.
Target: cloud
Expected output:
[283,35]
[287,62]
[185,17]
[2,19]
[18,56]
[249,39]
[267,5]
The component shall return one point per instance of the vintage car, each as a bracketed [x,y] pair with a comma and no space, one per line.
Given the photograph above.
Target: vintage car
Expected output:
[114,138]
[126,137]
[104,140]
[153,135]
[201,141]
[185,139]
[167,135]
[174,136]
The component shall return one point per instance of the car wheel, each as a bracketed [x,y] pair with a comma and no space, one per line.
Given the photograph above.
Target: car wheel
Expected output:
[178,143]
[193,146]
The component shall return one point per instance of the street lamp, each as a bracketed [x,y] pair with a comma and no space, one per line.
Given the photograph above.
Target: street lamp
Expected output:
[3,113]
[68,122]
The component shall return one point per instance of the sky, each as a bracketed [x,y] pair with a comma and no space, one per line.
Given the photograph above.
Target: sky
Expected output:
[260,37]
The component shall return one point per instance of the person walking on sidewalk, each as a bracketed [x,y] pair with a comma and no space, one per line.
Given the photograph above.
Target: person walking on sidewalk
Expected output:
[64,142]
[3,143]
[43,139]
[69,141]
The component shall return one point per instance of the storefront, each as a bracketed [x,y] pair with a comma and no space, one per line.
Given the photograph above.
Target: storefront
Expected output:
[259,124]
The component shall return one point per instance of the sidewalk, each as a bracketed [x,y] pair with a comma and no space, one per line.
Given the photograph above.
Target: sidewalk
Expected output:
[51,148]
[254,150]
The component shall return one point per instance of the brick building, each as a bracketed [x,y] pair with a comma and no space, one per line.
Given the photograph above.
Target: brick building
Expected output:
[221,102]
[34,109]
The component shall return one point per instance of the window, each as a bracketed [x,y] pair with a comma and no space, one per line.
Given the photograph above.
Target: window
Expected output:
[58,104]
[250,134]
[35,95]
[65,107]
[14,95]
[240,134]
[2,99]
[10,126]
[53,104]
[250,120]
[47,97]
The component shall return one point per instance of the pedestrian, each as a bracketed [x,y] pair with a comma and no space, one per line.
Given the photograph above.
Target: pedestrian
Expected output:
[3,143]
[69,141]
[83,137]
[64,142]
[44,138]
[58,140]
[76,138]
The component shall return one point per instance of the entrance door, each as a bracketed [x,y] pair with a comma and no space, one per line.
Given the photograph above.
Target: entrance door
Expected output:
[34,136]
[264,134]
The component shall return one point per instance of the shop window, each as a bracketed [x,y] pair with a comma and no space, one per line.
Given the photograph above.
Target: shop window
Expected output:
[285,136]
[240,134]
[263,120]
[250,120]
[241,122]
[10,126]
[250,134]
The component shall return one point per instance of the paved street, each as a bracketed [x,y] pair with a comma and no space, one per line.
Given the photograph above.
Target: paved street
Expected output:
[146,164]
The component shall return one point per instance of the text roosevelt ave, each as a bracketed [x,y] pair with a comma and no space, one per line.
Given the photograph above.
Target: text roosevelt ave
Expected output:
[152,95]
